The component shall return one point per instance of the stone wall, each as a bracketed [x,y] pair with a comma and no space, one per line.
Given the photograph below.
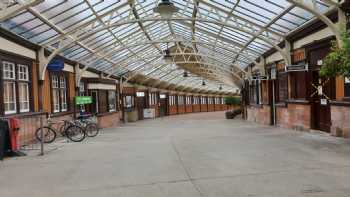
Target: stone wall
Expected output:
[294,116]
[259,114]
[340,116]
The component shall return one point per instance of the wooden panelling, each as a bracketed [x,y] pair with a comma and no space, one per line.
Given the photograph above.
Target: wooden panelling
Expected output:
[35,92]
[71,89]
[46,93]
[339,84]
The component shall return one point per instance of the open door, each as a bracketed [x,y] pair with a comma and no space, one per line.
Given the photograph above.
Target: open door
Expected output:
[163,105]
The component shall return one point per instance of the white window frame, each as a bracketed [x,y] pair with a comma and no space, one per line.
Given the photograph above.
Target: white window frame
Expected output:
[14,97]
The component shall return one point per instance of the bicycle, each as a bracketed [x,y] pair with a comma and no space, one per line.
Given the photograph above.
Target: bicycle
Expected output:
[88,123]
[68,129]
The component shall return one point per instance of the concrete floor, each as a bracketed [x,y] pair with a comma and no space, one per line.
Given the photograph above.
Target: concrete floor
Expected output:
[186,156]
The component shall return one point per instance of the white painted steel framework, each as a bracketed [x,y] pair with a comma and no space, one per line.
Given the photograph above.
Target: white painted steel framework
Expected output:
[213,40]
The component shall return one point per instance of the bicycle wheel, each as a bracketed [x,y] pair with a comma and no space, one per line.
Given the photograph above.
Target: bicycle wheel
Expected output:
[91,129]
[75,133]
[48,132]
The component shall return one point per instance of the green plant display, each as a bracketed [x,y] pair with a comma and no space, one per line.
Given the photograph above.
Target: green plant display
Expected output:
[337,62]
[234,100]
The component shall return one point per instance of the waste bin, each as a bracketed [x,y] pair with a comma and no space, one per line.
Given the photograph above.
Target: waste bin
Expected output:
[4,138]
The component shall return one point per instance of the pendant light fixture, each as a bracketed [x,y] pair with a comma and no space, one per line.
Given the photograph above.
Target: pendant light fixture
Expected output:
[220,87]
[185,74]
[166,9]
[203,83]
[167,57]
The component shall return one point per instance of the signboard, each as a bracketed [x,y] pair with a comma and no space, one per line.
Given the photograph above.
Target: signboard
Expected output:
[297,67]
[273,73]
[162,96]
[56,64]
[323,101]
[82,100]
[149,113]
[347,80]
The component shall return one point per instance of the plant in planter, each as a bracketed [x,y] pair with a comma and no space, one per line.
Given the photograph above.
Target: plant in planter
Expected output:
[337,62]
[234,101]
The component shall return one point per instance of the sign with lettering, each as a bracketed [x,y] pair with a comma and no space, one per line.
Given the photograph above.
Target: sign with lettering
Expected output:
[82,100]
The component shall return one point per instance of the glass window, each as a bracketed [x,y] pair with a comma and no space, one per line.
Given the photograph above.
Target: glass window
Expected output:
[23,73]
[10,97]
[23,94]
[111,100]
[8,70]
[128,101]
[14,85]
[59,93]
[81,88]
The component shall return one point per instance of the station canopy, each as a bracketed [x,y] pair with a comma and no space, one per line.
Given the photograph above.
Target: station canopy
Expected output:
[189,45]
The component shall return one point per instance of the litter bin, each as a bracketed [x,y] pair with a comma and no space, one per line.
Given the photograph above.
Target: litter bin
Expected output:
[4,138]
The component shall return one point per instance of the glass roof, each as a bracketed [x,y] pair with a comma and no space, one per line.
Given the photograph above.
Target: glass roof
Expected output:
[218,38]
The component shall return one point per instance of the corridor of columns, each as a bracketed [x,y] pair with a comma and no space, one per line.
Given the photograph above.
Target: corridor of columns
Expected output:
[190,155]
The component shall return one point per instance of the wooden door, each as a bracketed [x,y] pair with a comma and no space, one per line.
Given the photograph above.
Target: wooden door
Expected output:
[140,105]
[163,107]
[320,107]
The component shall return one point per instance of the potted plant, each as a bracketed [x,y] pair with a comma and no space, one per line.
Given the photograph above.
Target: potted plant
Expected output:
[233,101]
[337,62]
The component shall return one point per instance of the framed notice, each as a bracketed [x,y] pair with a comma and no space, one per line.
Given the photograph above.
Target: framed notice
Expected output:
[347,80]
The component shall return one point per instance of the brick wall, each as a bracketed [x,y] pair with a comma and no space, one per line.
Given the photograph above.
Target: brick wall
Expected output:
[109,120]
[196,108]
[181,109]
[189,109]
[294,116]
[259,114]
[340,116]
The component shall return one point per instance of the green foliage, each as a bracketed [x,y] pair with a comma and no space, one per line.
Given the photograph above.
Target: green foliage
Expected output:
[337,62]
[234,100]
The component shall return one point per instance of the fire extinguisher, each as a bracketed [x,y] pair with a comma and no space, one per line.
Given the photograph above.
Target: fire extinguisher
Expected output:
[14,129]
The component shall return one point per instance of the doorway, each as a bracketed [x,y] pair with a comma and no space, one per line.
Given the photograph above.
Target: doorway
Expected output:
[323,89]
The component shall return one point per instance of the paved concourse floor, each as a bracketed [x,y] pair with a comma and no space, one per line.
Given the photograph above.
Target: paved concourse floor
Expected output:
[186,156]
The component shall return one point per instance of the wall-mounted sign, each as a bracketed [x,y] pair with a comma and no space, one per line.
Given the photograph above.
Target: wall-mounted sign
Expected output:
[162,96]
[347,80]
[140,94]
[56,64]
[298,67]
[324,102]
[83,100]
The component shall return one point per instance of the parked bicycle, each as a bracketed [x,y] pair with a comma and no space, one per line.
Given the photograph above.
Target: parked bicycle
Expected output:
[89,123]
[68,129]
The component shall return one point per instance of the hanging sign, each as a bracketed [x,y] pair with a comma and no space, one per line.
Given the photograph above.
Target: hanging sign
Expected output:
[56,64]
[82,100]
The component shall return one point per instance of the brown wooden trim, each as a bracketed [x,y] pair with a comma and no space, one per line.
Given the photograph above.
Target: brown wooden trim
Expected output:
[17,39]
[298,101]
[340,103]
[106,113]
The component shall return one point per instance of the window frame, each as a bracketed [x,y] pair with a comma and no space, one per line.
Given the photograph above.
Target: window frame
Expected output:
[17,63]
[115,101]
[59,88]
